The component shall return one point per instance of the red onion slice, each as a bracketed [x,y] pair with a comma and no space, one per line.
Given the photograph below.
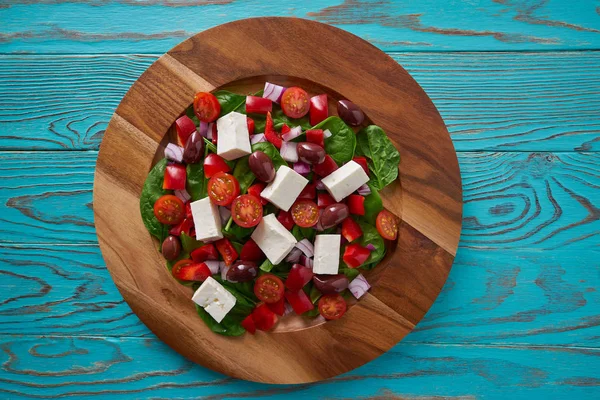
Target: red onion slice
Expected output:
[294,256]
[371,247]
[288,309]
[203,128]
[213,266]
[301,167]
[306,247]
[183,195]
[289,151]
[320,185]
[259,137]
[327,133]
[306,261]
[273,92]
[364,190]
[209,131]
[223,268]
[174,152]
[225,214]
[292,134]
[359,286]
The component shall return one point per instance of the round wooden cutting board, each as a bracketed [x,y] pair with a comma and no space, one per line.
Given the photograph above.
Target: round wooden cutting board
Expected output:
[427,197]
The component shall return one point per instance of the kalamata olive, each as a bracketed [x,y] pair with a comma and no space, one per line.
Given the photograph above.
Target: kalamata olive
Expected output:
[194,148]
[334,214]
[171,247]
[242,271]
[329,284]
[311,153]
[262,166]
[350,113]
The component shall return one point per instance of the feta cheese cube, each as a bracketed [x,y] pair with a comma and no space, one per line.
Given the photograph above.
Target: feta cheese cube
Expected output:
[273,239]
[214,298]
[345,180]
[285,188]
[327,254]
[207,220]
[234,139]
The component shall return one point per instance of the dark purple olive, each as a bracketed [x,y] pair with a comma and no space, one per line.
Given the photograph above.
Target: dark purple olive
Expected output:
[311,153]
[242,271]
[329,284]
[262,166]
[171,247]
[334,214]
[194,148]
[350,113]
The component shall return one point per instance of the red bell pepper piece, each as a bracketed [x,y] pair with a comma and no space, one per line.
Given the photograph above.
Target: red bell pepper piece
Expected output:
[175,177]
[351,230]
[355,255]
[356,204]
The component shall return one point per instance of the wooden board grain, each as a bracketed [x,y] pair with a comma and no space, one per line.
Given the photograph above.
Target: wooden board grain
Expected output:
[430,213]
[157,25]
[125,368]
[489,101]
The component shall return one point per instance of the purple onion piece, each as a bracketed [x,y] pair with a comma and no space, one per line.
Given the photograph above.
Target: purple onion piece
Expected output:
[183,195]
[294,256]
[209,131]
[213,266]
[302,168]
[306,261]
[174,152]
[320,185]
[289,151]
[203,128]
[223,268]
[288,309]
[359,286]
[343,240]
[225,214]
[257,138]
[306,247]
[371,247]
[292,134]
[273,92]
[364,190]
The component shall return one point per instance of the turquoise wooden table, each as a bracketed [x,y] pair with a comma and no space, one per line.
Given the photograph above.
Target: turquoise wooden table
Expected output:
[518,84]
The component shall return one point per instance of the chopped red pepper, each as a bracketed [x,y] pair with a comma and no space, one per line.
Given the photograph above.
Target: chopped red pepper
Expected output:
[248,324]
[362,161]
[355,255]
[264,318]
[316,136]
[277,307]
[351,230]
[299,301]
[175,176]
[185,127]
[227,251]
[324,200]
[271,134]
[250,123]
[251,252]
[356,204]
[298,277]
[286,219]
[326,167]
[206,252]
[255,191]
[309,192]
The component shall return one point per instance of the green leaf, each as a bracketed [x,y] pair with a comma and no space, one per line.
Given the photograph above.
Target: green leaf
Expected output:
[269,209]
[373,205]
[189,243]
[279,118]
[370,235]
[151,192]
[230,102]
[340,146]
[350,273]
[196,182]
[190,113]
[314,294]
[230,326]
[383,158]
[304,233]
[266,266]
[210,147]
[236,232]
[272,152]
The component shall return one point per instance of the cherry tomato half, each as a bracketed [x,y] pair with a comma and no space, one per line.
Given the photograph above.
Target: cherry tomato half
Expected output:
[223,188]
[169,210]
[305,213]
[295,102]
[387,225]
[269,288]
[332,306]
[213,164]
[206,106]
[246,211]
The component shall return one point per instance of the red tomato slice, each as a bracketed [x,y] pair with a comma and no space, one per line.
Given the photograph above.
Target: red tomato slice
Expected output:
[278,307]
[251,125]
[351,230]
[226,250]
[356,204]
[258,105]
[256,189]
[175,177]
[387,225]
[269,288]
[251,252]
[206,106]
[186,270]
[324,200]
[326,167]
[246,210]
[316,136]
[223,188]
[299,301]
[294,102]
[185,127]
[248,324]
[362,161]
[298,277]
[355,255]
[206,252]
[264,318]
[318,109]
[214,164]
[271,134]
[309,192]
[286,219]
[305,213]
[169,210]
[332,306]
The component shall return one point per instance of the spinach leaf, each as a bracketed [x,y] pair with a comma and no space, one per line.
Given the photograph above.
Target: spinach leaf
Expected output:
[340,146]
[373,205]
[236,232]
[243,292]
[151,192]
[370,235]
[230,102]
[272,152]
[190,113]
[383,158]
[189,243]
[270,208]
[314,294]
[304,233]
[196,181]
[350,273]
[279,118]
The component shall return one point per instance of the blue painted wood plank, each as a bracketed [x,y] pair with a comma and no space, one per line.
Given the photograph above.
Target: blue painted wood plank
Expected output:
[511,200]
[491,297]
[155,26]
[38,367]
[489,101]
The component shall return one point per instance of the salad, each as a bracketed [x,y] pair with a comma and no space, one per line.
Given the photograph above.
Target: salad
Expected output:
[267,205]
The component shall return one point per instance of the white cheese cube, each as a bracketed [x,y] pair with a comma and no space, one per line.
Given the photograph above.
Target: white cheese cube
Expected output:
[206,220]
[345,180]
[214,298]
[285,188]
[273,239]
[327,254]
[234,139]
